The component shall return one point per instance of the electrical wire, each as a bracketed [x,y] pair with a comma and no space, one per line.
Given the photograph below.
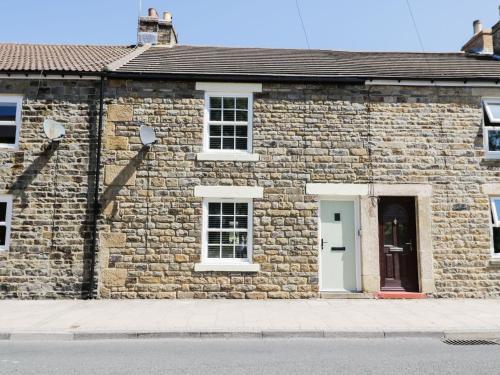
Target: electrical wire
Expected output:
[302,23]
[415,26]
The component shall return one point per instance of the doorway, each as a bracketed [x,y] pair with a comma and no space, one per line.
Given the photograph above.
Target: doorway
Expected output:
[398,244]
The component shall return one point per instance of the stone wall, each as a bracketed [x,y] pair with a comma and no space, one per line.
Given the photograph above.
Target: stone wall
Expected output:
[48,256]
[148,247]
[321,133]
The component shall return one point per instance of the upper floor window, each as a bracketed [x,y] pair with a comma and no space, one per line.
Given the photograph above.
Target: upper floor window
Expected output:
[229,125]
[5,220]
[10,121]
[491,128]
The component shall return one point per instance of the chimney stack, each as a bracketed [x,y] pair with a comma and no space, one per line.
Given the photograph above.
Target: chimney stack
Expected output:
[156,31]
[477,26]
[481,42]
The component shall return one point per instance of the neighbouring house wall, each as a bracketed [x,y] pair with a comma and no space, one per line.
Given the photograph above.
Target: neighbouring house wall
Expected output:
[419,135]
[50,240]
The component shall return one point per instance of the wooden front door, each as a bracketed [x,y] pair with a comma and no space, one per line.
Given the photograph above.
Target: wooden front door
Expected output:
[398,244]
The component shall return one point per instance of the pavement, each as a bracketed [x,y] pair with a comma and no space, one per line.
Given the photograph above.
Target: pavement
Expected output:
[316,318]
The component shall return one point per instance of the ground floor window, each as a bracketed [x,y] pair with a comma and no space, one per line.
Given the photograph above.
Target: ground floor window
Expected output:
[495,222]
[227,230]
[5,221]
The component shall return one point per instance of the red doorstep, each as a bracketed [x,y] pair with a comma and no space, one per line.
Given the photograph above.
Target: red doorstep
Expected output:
[400,295]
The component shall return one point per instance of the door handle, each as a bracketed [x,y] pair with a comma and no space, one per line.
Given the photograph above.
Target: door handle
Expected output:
[323,243]
[411,246]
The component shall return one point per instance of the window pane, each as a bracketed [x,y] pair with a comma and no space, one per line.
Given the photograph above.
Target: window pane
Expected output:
[241,143]
[496,203]
[228,208]
[241,208]
[228,131]
[241,246]
[494,109]
[3,231]
[241,252]
[215,143]
[214,208]
[496,240]
[241,131]
[213,237]
[215,102]
[226,238]
[229,103]
[7,134]
[215,130]
[241,116]
[3,211]
[494,140]
[227,222]
[214,221]
[242,103]
[228,144]
[214,251]
[227,251]
[229,115]
[241,222]
[215,115]
[8,111]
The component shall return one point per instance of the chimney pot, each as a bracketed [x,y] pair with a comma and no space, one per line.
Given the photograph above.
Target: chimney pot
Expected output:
[152,13]
[478,26]
[167,16]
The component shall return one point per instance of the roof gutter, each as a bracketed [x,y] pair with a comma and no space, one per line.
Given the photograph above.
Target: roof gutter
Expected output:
[433,83]
[235,77]
[18,74]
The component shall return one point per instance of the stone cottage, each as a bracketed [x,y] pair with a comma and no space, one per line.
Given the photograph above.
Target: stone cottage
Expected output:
[264,173]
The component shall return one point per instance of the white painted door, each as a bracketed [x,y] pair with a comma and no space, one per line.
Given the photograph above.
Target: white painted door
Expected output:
[338,246]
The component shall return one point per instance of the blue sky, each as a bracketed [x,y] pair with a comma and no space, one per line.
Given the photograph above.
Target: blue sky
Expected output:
[373,25]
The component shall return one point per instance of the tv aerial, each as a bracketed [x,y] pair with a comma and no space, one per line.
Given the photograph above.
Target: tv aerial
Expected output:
[147,135]
[53,130]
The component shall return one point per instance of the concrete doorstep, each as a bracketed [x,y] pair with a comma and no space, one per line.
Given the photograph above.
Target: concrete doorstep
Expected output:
[279,334]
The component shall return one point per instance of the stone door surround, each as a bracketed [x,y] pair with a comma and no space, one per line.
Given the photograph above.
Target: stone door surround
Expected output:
[370,268]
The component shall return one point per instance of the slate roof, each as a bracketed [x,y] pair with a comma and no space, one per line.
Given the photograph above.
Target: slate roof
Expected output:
[60,58]
[192,60]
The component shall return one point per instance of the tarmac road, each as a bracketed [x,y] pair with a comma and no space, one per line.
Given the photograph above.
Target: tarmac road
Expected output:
[251,356]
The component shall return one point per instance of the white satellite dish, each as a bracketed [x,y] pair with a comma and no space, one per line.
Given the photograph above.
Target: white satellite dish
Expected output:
[53,130]
[148,136]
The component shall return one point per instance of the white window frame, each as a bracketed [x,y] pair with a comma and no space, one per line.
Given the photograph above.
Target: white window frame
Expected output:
[486,102]
[207,122]
[18,100]
[227,261]
[8,221]
[495,224]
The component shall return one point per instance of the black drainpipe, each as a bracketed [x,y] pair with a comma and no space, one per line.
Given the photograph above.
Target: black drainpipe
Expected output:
[96,191]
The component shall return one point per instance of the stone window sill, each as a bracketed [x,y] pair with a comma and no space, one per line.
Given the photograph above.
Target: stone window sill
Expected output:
[495,262]
[244,267]
[227,156]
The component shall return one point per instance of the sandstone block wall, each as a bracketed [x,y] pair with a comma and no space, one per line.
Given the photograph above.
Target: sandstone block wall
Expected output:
[150,229]
[50,237]
[303,133]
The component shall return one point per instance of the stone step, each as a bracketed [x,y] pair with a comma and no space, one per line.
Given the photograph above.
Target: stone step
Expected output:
[345,295]
[400,295]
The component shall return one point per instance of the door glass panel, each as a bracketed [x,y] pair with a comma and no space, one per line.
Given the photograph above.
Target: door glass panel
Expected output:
[388,236]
